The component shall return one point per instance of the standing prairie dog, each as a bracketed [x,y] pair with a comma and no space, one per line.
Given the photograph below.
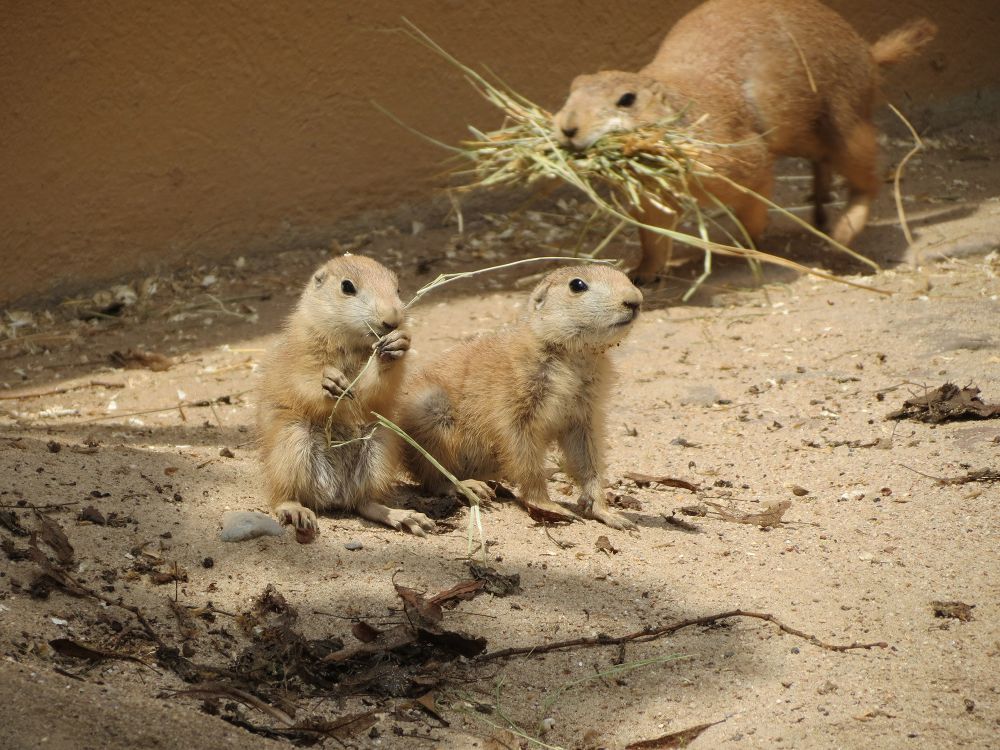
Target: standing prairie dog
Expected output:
[319,447]
[490,407]
[772,78]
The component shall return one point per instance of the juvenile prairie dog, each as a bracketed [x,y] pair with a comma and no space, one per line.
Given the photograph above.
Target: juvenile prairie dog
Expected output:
[319,448]
[490,407]
[763,78]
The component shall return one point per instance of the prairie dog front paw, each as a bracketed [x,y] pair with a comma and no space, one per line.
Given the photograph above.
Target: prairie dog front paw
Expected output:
[336,384]
[392,346]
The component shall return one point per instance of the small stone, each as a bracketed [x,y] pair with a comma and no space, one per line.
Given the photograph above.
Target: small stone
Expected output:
[226,453]
[239,525]
[208,562]
[799,491]
[187,649]
[353,545]
[53,446]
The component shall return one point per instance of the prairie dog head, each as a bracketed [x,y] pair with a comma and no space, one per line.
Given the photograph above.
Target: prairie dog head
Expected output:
[584,307]
[352,299]
[603,102]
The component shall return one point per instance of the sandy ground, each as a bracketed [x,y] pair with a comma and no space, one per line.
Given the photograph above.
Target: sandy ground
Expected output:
[757,394]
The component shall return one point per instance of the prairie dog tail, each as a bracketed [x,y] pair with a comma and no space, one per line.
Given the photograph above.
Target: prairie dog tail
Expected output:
[904,42]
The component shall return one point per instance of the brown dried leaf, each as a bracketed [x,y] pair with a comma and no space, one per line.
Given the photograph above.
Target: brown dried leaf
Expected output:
[681,524]
[453,641]
[93,515]
[53,535]
[136,359]
[428,702]
[955,610]
[9,520]
[604,545]
[176,573]
[494,582]
[415,602]
[625,502]
[77,650]
[771,516]
[645,480]
[541,515]
[946,403]
[461,591]
[682,738]
[365,632]
[13,552]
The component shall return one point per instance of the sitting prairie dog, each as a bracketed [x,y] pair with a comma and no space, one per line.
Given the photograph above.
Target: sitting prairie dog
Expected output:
[489,408]
[319,448]
[772,77]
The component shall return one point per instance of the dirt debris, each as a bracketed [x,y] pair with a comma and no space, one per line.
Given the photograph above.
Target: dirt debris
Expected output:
[946,403]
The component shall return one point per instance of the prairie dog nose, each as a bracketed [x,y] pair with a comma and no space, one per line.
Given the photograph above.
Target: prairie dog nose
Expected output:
[570,132]
[631,305]
[389,326]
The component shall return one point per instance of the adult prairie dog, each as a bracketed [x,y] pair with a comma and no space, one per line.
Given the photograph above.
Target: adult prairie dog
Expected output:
[764,78]
[490,407]
[319,388]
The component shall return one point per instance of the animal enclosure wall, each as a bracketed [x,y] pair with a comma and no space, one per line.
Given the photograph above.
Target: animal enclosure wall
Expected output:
[144,135]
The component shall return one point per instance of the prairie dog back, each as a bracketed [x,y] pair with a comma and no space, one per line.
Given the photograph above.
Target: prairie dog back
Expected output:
[775,77]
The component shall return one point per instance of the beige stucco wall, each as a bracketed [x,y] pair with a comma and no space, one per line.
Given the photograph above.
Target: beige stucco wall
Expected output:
[137,135]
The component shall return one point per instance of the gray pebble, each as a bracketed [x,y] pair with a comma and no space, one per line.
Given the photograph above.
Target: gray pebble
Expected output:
[353,545]
[240,525]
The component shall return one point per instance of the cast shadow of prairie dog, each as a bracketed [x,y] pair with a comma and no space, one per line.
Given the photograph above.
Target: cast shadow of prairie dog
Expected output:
[762,78]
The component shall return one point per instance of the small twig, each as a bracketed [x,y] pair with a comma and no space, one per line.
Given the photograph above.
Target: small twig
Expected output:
[560,545]
[49,506]
[215,690]
[650,634]
[202,404]
[929,476]
[65,389]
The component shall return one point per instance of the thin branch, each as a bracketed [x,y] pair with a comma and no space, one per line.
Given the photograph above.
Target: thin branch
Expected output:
[651,634]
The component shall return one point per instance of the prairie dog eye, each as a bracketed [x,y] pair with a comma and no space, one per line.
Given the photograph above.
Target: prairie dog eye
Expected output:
[347,287]
[626,100]
[578,285]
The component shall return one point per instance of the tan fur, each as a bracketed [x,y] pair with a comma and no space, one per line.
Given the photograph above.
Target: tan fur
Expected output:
[489,408]
[326,343]
[774,77]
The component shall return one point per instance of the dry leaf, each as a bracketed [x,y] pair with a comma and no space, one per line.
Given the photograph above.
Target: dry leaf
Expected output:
[494,582]
[76,650]
[462,591]
[955,610]
[365,632]
[540,515]
[681,524]
[415,603]
[53,535]
[682,738]
[604,545]
[625,502]
[644,480]
[136,359]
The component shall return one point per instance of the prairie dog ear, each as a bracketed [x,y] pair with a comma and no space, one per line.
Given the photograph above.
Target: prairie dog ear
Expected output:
[320,277]
[540,294]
